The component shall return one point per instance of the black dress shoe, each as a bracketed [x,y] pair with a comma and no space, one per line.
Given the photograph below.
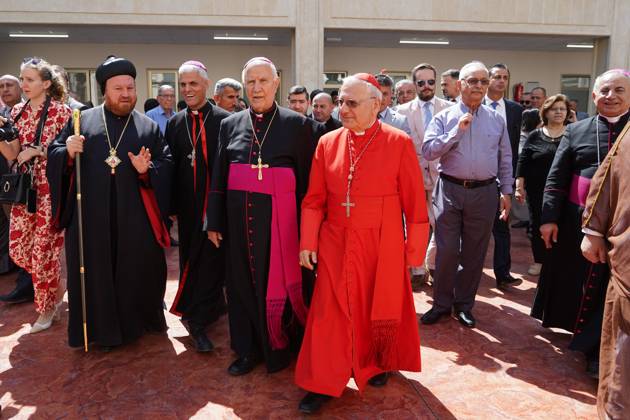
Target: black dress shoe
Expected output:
[521,224]
[465,318]
[201,341]
[242,366]
[18,295]
[432,316]
[507,281]
[379,380]
[312,402]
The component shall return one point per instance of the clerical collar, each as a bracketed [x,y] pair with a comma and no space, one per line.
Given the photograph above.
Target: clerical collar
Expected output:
[265,115]
[612,120]
[203,109]
[367,132]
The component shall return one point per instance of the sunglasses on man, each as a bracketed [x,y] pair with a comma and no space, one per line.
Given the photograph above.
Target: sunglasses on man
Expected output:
[429,82]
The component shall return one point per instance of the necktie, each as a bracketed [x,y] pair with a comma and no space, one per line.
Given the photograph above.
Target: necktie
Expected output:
[494,104]
[427,114]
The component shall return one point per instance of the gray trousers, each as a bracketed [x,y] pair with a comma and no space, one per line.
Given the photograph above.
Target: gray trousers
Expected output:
[463,224]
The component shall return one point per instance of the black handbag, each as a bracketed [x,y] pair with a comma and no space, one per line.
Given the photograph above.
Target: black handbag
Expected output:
[14,186]
[17,187]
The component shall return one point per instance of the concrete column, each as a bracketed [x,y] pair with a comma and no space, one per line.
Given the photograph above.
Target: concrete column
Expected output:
[619,51]
[308,44]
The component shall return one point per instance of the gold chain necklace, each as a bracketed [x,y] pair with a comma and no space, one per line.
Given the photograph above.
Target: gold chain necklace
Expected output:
[259,165]
[353,166]
[113,160]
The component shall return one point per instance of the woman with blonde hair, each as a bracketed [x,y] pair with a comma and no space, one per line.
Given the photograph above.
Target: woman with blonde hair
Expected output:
[35,244]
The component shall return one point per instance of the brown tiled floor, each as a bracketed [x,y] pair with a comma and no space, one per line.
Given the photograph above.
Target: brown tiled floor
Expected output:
[507,367]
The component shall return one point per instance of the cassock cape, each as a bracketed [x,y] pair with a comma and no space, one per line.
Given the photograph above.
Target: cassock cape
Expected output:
[244,219]
[200,296]
[362,319]
[571,290]
[123,230]
[607,212]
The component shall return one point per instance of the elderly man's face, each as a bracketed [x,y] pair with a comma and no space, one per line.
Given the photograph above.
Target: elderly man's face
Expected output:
[299,103]
[228,98]
[120,94]
[10,92]
[358,107]
[322,108]
[261,85]
[474,87]
[405,93]
[166,98]
[612,97]
[387,98]
[425,84]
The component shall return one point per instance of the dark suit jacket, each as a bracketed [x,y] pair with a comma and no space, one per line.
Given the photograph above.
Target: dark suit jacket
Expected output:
[332,124]
[514,114]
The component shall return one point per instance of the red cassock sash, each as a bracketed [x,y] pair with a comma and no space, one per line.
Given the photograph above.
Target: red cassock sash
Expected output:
[285,276]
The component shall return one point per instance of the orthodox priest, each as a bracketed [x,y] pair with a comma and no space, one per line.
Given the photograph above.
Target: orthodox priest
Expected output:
[362,320]
[192,137]
[259,178]
[126,171]
[571,290]
[607,231]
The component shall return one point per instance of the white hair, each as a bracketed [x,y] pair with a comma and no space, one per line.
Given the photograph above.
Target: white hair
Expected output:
[470,68]
[606,74]
[259,61]
[10,77]
[187,68]
[403,82]
[374,91]
[162,88]
[227,82]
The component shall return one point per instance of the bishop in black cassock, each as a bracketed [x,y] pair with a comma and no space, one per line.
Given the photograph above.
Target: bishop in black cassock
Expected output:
[259,178]
[192,137]
[126,171]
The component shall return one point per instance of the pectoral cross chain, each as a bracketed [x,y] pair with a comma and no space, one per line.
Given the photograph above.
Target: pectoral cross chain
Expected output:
[260,166]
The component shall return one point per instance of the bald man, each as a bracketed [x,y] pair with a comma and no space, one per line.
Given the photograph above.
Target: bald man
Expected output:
[322,109]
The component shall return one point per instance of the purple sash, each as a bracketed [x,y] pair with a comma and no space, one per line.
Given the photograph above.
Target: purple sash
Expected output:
[579,190]
[285,276]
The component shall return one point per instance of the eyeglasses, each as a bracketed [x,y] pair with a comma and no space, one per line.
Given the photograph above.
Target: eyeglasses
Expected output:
[429,82]
[352,104]
[473,81]
[167,96]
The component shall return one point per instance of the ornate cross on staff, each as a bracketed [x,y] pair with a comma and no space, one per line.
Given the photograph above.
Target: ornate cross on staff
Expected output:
[260,166]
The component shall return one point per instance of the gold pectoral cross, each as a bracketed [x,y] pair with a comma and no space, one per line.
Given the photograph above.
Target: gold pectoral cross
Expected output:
[347,204]
[260,166]
[113,160]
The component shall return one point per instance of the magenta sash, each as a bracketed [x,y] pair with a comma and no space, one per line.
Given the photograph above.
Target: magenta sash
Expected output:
[579,190]
[285,276]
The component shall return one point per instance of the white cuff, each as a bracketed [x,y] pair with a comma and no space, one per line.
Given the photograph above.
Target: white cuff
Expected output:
[591,232]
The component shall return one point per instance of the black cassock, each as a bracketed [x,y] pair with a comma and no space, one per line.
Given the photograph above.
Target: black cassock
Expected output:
[571,290]
[122,220]
[244,219]
[200,298]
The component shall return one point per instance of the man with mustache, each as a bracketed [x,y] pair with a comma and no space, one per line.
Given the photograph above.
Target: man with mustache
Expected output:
[126,175]
[473,145]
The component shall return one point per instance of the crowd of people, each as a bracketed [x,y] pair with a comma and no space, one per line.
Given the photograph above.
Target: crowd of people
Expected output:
[310,225]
